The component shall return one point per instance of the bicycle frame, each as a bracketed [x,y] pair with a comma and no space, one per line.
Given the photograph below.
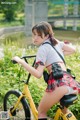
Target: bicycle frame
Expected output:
[26,94]
[68,116]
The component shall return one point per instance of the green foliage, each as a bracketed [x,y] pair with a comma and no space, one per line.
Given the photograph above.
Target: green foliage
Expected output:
[55,9]
[76,108]
[10,8]
[35,86]
[73,62]
[52,111]
[11,75]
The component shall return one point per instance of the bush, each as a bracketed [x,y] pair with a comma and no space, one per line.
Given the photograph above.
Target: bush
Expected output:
[10,76]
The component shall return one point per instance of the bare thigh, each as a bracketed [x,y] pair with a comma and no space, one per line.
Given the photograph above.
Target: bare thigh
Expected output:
[51,98]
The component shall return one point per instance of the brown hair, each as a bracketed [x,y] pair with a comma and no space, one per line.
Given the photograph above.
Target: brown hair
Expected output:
[45,27]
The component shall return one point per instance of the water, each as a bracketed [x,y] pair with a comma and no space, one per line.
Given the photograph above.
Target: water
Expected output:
[21,40]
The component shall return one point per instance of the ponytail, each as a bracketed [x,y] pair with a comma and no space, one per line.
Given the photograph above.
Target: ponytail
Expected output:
[53,40]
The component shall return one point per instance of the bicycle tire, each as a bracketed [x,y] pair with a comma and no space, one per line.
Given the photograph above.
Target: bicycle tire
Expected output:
[23,103]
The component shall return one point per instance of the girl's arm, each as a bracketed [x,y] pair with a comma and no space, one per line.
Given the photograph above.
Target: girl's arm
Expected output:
[68,49]
[35,72]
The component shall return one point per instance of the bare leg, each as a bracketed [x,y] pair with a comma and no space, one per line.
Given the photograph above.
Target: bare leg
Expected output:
[49,99]
[65,110]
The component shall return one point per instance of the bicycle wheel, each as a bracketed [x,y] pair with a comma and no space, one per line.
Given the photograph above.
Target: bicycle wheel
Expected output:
[22,112]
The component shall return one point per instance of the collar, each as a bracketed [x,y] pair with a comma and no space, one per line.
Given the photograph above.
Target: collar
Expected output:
[46,41]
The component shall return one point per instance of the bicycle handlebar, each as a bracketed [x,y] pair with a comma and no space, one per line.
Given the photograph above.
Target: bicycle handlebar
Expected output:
[23,57]
[28,56]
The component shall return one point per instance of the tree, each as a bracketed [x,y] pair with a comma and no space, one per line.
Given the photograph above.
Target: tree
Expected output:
[10,8]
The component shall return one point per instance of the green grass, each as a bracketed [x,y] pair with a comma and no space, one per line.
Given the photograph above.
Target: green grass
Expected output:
[19,20]
[72,36]
[14,44]
[23,41]
[9,24]
[1,15]
[10,77]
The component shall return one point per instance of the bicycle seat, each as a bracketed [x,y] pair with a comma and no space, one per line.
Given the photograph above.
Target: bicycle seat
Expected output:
[68,100]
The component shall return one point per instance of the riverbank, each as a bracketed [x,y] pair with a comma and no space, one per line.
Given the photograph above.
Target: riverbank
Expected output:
[71,36]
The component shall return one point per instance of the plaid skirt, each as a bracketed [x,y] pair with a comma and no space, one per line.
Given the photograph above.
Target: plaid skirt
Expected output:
[67,80]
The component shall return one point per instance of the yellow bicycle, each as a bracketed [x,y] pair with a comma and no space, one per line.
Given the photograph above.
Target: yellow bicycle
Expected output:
[20,105]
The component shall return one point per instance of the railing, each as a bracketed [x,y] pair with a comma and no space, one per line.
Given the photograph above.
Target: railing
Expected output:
[51,19]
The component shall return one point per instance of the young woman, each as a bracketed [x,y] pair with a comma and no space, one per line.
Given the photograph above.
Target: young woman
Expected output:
[45,58]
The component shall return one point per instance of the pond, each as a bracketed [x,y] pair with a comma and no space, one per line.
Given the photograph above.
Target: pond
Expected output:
[18,39]
[21,40]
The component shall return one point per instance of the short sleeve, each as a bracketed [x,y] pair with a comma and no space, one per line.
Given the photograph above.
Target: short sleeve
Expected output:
[61,44]
[42,54]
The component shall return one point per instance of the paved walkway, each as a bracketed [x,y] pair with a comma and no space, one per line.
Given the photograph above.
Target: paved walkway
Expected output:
[8,30]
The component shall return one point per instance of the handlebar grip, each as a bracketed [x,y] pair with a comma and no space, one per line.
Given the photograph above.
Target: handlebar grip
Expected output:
[13,61]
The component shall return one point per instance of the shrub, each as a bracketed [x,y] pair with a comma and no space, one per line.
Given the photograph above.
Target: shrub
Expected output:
[11,75]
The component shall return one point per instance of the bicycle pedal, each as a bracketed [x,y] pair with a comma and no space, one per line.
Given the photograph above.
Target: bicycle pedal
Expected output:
[70,116]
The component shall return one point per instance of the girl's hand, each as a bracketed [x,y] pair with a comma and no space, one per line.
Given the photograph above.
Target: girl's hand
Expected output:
[17,59]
